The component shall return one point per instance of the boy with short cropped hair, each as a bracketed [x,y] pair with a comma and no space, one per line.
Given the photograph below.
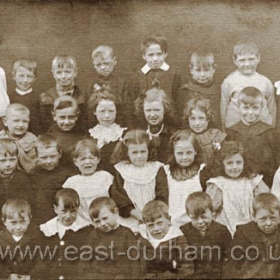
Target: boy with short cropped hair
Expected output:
[263,235]
[25,74]
[19,233]
[203,231]
[121,263]
[106,76]
[66,127]
[64,70]
[156,72]
[64,231]
[257,137]
[246,58]
[202,84]
[49,175]
[16,121]
[166,243]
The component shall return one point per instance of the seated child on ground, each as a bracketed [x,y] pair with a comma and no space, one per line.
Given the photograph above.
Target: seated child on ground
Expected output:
[202,84]
[137,179]
[48,176]
[66,128]
[106,76]
[165,243]
[91,182]
[203,232]
[183,173]
[16,123]
[234,186]
[246,58]
[20,234]
[255,246]
[64,231]
[107,132]
[64,70]
[121,262]
[25,74]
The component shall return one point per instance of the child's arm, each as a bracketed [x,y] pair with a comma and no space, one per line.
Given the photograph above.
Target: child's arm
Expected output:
[161,189]
[225,99]
[271,103]
[118,193]
[276,184]
[217,196]
[261,188]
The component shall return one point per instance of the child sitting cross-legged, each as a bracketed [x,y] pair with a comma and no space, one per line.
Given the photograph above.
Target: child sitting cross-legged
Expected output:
[166,243]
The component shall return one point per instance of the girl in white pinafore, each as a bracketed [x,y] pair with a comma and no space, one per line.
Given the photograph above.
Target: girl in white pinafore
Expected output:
[137,179]
[4,98]
[182,174]
[234,188]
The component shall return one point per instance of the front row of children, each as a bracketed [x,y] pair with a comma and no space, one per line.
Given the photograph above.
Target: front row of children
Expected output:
[200,249]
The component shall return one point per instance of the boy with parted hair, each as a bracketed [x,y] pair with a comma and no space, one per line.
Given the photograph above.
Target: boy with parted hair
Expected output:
[202,84]
[246,58]
[24,75]
[203,232]
[258,138]
[262,235]
[64,70]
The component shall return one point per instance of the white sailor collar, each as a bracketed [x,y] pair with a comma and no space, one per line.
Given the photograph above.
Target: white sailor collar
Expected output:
[50,228]
[146,68]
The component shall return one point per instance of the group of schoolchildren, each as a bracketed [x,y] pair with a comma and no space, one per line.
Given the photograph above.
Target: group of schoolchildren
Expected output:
[137,178]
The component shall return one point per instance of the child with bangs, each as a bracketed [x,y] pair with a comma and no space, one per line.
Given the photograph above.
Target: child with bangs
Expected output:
[246,58]
[106,76]
[18,236]
[91,182]
[234,186]
[48,176]
[64,70]
[165,243]
[203,232]
[262,234]
[258,138]
[24,75]
[153,112]
[64,231]
[66,127]
[202,84]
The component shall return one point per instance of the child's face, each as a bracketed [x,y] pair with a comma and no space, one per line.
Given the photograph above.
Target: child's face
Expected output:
[65,216]
[154,56]
[159,227]
[17,123]
[267,221]
[106,112]
[250,113]
[234,165]
[138,154]
[48,157]
[64,76]
[202,75]
[87,162]
[24,78]
[18,224]
[154,112]
[198,121]
[66,118]
[203,221]
[104,65]
[184,153]
[106,220]
[8,165]
[246,63]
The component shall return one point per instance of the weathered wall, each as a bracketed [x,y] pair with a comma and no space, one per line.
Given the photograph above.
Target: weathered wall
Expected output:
[42,29]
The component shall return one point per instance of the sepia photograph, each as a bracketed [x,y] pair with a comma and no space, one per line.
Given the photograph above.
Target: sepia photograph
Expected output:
[139,139]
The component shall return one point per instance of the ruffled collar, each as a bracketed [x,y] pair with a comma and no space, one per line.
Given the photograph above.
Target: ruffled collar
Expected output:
[51,227]
[172,233]
[182,174]
[106,134]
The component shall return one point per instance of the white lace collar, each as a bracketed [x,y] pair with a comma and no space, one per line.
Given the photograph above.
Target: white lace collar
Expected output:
[106,134]
[146,68]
